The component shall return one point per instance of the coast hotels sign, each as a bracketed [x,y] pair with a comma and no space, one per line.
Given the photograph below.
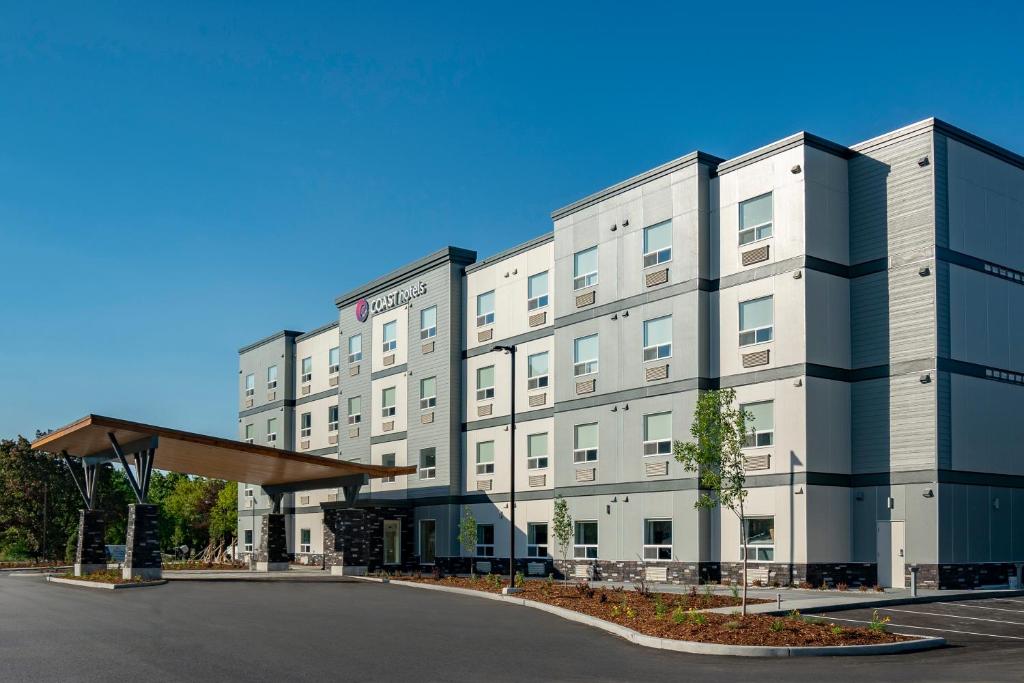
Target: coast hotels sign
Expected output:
[388,301]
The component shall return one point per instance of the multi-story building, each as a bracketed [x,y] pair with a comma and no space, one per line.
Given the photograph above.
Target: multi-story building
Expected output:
[866,303]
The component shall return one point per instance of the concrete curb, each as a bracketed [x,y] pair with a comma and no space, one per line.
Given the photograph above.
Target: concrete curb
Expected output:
[14,571]
[103,586]
[692,647]
[894,602]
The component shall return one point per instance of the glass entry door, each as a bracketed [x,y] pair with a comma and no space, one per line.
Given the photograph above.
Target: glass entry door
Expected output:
[392,541]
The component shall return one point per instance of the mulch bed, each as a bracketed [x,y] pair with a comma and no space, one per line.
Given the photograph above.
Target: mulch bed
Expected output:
[30,565]
[677,616]
[108,576]
[193,565]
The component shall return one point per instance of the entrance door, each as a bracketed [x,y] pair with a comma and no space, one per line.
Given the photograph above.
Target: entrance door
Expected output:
[392,541]
[890,552]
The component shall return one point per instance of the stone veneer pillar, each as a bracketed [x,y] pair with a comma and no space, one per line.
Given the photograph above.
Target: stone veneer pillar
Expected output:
[91,553]
[142,548]
[345,541]
[272,554]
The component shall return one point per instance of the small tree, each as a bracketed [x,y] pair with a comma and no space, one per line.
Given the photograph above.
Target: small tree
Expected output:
[719,431]
[563,531]
[467,536]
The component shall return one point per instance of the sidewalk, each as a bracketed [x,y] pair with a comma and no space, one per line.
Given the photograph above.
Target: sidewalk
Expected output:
[310,574]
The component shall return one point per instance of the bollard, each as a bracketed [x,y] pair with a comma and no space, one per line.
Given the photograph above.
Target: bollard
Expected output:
[778,596]
[913,581]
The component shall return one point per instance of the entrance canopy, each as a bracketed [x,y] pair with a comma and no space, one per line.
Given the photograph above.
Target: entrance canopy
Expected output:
[97,439]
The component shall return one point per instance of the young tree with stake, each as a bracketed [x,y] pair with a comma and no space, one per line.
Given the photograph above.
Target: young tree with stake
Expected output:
[719,431]
[563,532]
[467,537]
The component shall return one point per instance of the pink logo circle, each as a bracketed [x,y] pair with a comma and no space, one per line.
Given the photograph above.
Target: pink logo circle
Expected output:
[362,310]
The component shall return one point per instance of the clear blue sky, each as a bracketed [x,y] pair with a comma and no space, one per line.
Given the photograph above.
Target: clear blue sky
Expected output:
[177,182]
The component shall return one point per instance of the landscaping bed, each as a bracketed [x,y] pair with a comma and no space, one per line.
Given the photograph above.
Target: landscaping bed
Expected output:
[108,576]
[196,565]
[677,616]
[28,564]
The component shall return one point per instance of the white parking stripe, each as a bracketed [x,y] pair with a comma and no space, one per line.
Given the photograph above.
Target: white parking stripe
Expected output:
[925,628]
[967,604]
[947,616]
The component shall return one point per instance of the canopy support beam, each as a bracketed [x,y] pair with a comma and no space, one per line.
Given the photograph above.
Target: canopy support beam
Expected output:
[87,487]
[139,480]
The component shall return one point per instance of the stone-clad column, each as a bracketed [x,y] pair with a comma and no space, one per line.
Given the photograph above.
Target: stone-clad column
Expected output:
[272,553]
[142,551]
[345,544]
[91,554]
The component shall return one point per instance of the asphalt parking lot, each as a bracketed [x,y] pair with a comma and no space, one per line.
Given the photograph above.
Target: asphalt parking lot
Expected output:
[248,631]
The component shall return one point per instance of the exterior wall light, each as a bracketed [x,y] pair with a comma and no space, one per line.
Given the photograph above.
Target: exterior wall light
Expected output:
[923,161]
[928,493]
[625,222]
[926,378]
[797,274]
[796,169]
[924,271]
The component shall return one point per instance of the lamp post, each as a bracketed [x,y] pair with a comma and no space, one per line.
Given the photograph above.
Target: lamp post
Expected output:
[511,351]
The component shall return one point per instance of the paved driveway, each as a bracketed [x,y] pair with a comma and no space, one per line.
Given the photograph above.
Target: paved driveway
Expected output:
[363,631]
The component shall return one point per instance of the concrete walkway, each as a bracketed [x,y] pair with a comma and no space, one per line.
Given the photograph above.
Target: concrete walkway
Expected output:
[292,574]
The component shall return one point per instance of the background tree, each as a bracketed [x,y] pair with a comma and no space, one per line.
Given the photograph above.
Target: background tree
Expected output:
[224,515]
[467,536]
[563,532]
[719,430]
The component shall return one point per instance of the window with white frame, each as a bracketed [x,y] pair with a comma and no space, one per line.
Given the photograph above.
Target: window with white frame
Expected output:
[485,458]
[585,541]
[307,369]
[247,542]
[272,377]
[332,418]
[658,338]
[537,451]
[537,539]
[272,431]
[428,463]
[485,383]
[585,443]
[334,360]
[537,370]
[249,432]
[760,539]
[428,393]
[584,268]
[388,460]
[355,348]
[657,244]
[355,409]
[756,321]
[387,402]
[305,546]
[390,336]
[584,355]
[248,491]
[657,539]
[485,308]
[756,219]
[305,425]
[760,423]
[428,541]
[250,384]
[485,540]
[428,323]
[658,434]
[537,291]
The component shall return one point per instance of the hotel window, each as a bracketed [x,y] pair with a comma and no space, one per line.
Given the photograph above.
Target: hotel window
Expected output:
[658,434]
[249,433]
[485,457]
[428,323]
[334,360]
[584,355]
[537,539]
[658,338]
[428,463]
[428,393]
[537,451]
[485,308]
[355,406]
[307,369]
[584,268]
[304,541]
[658,244]
[585,546]
[306,425]
[272,377]
[485,540]
[272,431]
[537,370]
[760,539]
[657,539]
[756,321]
[332,418]
[585,443]
[760,424]
[250,384]
[485,383]
[247,543]
[390,336]
[756,219]
[355,348]
[428,541]
[388,460]
[387,402]
[537,291]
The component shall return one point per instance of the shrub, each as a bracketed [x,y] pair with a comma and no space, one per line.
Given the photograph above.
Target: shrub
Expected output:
[863,588]
[615,610]
[777,625]
[878,623]
[836,630]
[841,586]
[679,616]
[642,587]
[732,625]
[756,583]
[696,618]
[804,585]
[584,590]
[735,591]
[437,573]
[602,597]
[794,614]
[495,580]
[879,589]
[520,580]
[630,612]
[709,592]
[693,592]
[660,610]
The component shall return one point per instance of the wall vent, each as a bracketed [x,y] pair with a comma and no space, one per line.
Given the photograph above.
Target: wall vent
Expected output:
[752,256]
[538,319]
[658,277]
[752,360]
[538,399]
[653,374]
[586,299]
[586,386]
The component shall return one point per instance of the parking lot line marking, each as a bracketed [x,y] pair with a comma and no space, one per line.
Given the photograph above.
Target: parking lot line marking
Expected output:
[955,616]
[967,604]
[925,628]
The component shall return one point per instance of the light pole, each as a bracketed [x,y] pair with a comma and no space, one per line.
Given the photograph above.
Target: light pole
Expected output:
[511,351]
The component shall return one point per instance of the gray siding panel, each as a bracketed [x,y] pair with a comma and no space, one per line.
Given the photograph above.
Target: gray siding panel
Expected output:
[911,312]
[870,425]
[869,320]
